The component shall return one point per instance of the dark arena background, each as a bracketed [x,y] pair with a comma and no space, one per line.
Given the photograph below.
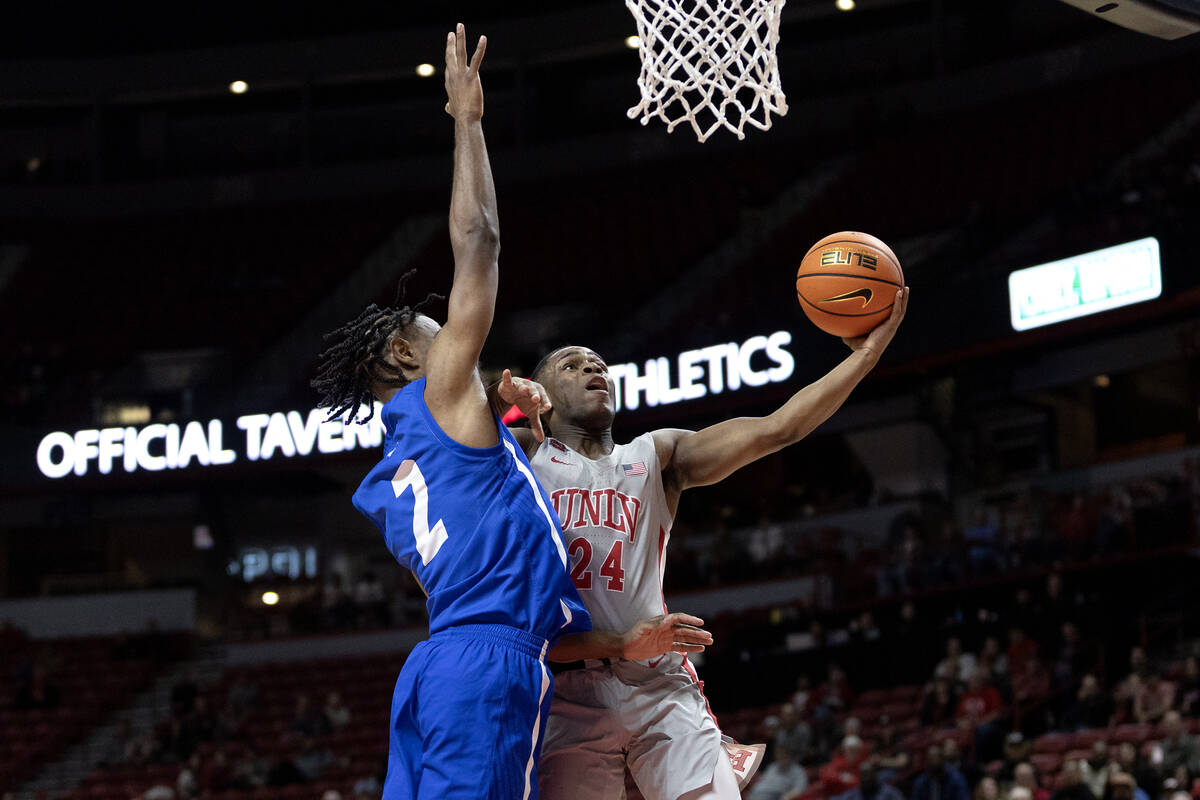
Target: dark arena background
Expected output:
[1003,515]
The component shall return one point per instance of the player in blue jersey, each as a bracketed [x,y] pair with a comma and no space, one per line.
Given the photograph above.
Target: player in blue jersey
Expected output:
[458,505]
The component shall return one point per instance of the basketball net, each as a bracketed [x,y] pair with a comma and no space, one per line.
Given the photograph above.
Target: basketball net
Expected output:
[710,63]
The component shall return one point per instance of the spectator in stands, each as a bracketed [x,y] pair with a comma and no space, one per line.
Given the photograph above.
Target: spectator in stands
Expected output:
[312,759]
[337,715]
[889,760]
[1095,770]
[196,727]
[1189,688]
[251,772]
[1178,747]
[1016,750]
[1153,699]
[1071,785]
[780,779]
[979,710]
[994,659]
[1122,786]
[1130,686]
[983,549]
[830,698]
[38,692]
[187,786]
[369,786]
[957,666]
[801,695]
[940,704]
[937,781]
[1148,777]
[793,733]
[159,791]
[217,773]
[841,773]
[987,789]
[952,757]
[1092,708]
[1022,654]
[306,720]
[120,748]
[1025,777]
[871,786]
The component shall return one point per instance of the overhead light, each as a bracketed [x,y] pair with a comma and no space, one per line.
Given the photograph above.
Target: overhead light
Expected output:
[633,42]
[238,87]
[426,70]
[845,5]
[270,598]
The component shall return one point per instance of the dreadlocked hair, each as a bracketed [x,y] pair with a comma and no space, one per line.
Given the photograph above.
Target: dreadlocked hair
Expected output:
[355,361]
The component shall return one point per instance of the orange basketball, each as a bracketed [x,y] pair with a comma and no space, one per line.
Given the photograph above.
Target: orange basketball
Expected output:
[847,283]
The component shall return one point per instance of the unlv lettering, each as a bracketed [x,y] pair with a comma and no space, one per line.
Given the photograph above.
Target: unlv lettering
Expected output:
[738,759]
[604,508]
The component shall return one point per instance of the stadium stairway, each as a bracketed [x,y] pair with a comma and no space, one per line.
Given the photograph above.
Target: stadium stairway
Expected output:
[63,775]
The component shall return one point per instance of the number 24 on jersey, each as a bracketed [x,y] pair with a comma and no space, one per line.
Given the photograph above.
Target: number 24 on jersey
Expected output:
[610,569]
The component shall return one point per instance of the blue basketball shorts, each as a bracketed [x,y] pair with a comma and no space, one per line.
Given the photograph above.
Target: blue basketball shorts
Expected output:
[468,715]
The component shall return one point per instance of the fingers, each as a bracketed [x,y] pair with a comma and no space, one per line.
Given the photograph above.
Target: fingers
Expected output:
[506,378]
[680,647]
[900,306]
[451,51]
[478,57]
[461,44]
[535,425]
[686,619]
[692,635]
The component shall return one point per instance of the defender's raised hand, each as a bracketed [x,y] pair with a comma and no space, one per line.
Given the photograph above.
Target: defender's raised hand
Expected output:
[464,92]
[529,396]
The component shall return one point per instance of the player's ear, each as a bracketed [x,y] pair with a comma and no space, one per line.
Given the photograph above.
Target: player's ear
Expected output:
[402,352]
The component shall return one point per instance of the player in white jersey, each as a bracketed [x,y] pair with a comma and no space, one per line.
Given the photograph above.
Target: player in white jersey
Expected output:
[616,504]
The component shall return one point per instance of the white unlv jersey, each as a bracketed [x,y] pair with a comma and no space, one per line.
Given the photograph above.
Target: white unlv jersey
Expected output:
[616,525]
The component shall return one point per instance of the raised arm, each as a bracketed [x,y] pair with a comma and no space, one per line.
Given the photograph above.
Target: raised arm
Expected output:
[707,456]
[451,379]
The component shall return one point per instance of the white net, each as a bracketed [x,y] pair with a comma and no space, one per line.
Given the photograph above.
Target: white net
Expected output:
[710,63]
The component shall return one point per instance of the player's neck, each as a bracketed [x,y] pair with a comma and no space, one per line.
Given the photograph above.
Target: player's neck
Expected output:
[590,444]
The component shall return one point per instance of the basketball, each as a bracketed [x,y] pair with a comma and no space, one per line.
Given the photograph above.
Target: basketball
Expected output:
[847,283]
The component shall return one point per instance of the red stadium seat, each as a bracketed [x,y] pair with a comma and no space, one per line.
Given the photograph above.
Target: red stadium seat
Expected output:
[1046,763]
[1056,743]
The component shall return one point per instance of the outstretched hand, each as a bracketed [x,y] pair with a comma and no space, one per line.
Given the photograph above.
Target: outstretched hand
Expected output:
[881,335]
[464,92]
[673,633]
[529,397]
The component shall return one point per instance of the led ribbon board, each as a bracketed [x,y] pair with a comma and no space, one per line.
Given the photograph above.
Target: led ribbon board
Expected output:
[292,434]
[1085,284]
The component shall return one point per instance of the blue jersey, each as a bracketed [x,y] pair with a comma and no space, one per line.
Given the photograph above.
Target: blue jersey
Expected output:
[472,524]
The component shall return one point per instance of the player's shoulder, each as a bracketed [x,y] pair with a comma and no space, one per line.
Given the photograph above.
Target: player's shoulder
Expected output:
[665,440]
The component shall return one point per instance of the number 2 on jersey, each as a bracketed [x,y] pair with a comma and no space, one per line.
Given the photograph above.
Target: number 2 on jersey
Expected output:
[611,568]
[429,540]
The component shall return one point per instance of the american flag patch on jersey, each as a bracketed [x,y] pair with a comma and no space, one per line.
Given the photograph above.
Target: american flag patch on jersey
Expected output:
[634,469]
